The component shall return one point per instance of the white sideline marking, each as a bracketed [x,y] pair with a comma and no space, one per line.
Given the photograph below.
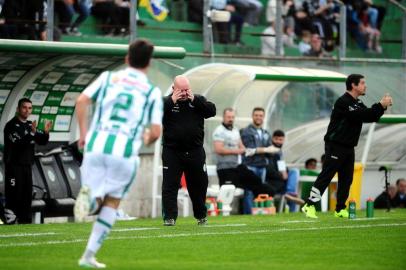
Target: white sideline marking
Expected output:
[134,229]
[365,218]
[25,234]
[298,221]
[225,225]
[56,242]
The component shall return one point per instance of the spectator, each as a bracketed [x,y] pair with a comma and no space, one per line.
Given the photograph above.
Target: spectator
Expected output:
[109,14]
[400,198]
[304,44]
[257,142]
[224,29]
[195,11]
[283,180]
[251,10]
[382,201]
[316,49]
[66,10]
[229,148]
[20,137]
[183,152]
[311,164]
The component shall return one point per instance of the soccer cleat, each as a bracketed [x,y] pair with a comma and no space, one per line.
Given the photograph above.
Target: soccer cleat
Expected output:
[343,213]
[309,210]
[82,204]
[169,222]
[90,263]
[202,221]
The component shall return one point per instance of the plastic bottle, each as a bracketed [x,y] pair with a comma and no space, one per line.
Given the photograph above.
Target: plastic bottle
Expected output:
[370,208]
[352,209]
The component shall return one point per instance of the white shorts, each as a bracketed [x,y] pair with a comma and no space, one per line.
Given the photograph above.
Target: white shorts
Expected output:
[108,175]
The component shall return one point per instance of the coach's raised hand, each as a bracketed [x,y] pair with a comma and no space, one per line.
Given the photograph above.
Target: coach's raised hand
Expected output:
[386,100]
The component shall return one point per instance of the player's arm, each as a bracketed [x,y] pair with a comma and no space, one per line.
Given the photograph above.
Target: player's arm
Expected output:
[155,118]
[86,98]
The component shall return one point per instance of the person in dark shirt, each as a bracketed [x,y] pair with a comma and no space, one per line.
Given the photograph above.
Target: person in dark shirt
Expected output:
[400,198]
[342,136]
[20,136]
[183,152]
[382,201]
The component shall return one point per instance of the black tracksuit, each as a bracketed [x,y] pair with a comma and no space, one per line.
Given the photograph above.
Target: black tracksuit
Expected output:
[19,143]
[183,134]
[342,136]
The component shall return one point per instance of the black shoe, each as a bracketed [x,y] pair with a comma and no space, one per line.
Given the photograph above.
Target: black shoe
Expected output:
[169,222]
[202,222]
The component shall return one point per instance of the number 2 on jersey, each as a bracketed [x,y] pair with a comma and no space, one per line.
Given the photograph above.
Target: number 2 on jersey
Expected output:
[123,104]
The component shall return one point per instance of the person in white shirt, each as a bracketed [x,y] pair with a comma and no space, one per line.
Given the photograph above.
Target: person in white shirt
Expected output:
[125,102]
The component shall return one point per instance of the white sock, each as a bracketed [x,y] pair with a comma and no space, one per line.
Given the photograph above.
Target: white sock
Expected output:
[101,229]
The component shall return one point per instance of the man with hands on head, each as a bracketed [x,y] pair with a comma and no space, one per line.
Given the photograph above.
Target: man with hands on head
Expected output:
[20,137]
[183,152]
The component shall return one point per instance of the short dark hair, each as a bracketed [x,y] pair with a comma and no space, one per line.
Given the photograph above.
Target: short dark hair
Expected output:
[228,109]
[140,53]
[353,79]
[22,101]
[258,109]
[310,160]
[278,133]
[400,180]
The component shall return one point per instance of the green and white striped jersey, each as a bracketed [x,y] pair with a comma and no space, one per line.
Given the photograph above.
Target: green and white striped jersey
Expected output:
[125,102]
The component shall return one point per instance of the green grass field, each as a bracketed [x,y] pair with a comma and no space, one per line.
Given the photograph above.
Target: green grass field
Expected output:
[285,241]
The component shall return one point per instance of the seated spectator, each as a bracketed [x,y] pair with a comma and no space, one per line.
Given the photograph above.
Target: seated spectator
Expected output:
[195,11]
[229,148]
[381,202]
[224,29]
[268,42]
[311,164]
[250,9]
[304,44]
[282,180]
[400,197]
[363,26]
[109,14]
[316,49]
[66,10]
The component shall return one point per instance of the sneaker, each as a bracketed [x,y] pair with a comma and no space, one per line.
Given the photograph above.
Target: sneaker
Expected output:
[309,210]
[202,221]
[82,204]
[343,213]
[90,263]
[169,222]
[74,31]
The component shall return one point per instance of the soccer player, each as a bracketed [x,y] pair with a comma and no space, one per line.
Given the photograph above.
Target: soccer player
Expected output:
[342,136]
[125,103]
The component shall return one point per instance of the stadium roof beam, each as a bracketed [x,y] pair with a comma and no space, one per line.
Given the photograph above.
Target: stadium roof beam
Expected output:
[30,46]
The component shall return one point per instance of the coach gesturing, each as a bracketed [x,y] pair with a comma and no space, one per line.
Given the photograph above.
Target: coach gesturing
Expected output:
[183,133]
[342,136]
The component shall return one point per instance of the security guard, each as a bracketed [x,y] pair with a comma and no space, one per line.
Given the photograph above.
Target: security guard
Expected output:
[183,133]
[20,136]
[342,136]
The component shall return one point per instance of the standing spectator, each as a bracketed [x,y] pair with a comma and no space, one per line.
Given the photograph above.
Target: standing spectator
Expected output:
[229,148]
[400,198]
[20,136]
[342,136]
[183,152]
[125,103]
[257,142]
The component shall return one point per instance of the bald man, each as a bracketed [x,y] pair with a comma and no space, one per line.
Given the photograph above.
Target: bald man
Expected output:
[183,152]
